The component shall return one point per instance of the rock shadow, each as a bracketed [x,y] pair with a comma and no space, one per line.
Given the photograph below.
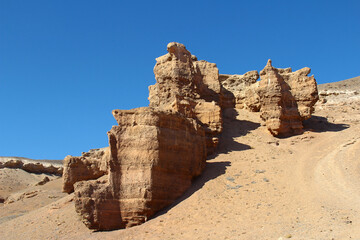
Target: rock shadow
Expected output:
[233,128]
[211,171]
[321,124]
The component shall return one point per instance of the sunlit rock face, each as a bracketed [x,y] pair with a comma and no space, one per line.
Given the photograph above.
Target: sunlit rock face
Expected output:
[283,97]
[91,165]
[189,87]
[237,88]
[154,152]
[154,156]
[286,99]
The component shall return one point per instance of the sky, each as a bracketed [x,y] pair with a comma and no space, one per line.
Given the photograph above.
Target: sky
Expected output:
[65,65]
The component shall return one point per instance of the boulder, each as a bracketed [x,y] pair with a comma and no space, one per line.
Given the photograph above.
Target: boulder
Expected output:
[154,155]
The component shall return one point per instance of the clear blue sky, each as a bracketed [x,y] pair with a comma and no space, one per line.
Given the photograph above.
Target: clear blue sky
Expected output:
[65,65]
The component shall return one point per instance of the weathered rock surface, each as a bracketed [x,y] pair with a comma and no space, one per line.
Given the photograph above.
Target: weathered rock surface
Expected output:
[91,165]
[236,88]
[156,151]
[286,98]
[189,87]
[154,156]
[32,166]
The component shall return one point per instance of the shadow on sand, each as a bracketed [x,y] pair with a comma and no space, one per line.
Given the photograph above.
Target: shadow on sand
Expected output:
[321,124]
[232,128]
[211,171]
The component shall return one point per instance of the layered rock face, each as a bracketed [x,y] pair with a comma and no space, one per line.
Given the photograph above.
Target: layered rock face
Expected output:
[154,156]
[189,87]
[286,99]
[156,151]
[91,165]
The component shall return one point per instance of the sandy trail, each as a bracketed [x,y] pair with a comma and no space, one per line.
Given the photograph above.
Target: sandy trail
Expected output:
[336,173]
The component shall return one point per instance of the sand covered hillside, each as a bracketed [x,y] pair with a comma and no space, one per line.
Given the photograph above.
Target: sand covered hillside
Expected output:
[255,186]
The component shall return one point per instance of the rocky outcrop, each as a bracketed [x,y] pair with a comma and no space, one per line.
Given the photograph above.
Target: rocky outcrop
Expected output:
[236,89]
[283,97]
[91,165]
[189,87]
[154,156]
[156,151]
[32,166]
[286,99]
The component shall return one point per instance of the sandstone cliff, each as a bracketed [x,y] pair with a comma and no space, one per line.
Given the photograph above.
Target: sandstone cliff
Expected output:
[189,87]
[154,156]
[156,151]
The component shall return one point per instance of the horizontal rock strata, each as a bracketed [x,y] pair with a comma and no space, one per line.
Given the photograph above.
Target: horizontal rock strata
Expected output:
[190,87]
[156,151]
[154,156]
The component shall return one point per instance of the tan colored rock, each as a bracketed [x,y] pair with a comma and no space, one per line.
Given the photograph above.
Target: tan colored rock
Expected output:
[186,85]
[44,181]
[91,165]
[252,100]
[154,157]
[304,90]
[207,81]
[210,116]
[52,167]
[237,86]
[286,98]
[156,151]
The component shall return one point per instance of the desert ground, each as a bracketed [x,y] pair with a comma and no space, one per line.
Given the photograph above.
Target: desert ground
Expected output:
[255,187]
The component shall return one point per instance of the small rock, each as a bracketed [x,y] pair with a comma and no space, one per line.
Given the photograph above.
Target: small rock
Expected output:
[42,182]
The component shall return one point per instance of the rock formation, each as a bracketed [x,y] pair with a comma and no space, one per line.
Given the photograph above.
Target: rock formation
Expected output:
[156,151]
[189,87]
[154,156]
[32,166]
[286,99]
[91,165]
[236,87]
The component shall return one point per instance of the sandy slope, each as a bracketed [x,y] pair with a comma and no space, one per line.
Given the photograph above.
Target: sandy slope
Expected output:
[16,180]
[257,187]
